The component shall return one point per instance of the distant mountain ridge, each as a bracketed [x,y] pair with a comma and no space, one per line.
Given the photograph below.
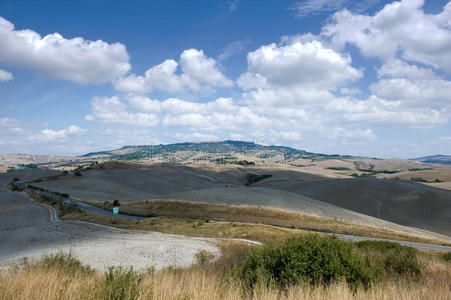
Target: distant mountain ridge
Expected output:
[228,151]
[435,159]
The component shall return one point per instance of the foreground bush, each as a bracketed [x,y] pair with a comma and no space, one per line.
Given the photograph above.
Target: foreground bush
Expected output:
[61,262]
[63,277]
[313,259]
[391,258]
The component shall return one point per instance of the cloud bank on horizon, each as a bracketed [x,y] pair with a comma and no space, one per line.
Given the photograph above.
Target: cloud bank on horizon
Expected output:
[368,84]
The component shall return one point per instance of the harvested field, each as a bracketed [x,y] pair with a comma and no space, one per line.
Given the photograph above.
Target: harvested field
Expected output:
[139,184]
[367,201]
[29,174]
[243,214]
[267,197]
[402,202]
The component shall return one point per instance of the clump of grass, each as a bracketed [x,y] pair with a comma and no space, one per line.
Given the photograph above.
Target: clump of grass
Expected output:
[62,262]
[203,257]
[446,256]
[122,283]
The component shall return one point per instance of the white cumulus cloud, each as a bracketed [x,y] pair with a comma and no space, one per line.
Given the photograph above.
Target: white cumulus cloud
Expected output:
[5,76]
[194,72]
[76,59]
[307,64]
[47,135]
[400,27]
[112,110]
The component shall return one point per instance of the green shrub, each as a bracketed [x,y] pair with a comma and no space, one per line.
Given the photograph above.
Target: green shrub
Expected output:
[121,283]
[418,179]
[312,258]
[243,163]
[378,245]
[338,168]
[446,256]
[394,259]
[253,178]
[403,262]
[65,263]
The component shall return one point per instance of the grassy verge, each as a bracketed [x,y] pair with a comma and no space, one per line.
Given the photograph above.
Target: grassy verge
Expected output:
[260,215]
[61,276]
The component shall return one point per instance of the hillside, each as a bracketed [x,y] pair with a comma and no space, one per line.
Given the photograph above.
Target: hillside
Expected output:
[435,159]
[397,201]
[207,151]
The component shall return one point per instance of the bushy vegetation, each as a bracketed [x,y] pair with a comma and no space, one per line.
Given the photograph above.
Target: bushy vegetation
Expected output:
[28,166]
[243,163]
[62,262]
[13,186]
[371,173]
[446,257]
[315,259]
[333,270]
[34,187]
[391,258]
[362,175]
[65,209]
[387,171]
[338,168]
[312,259]
[418,179]
[253,178]
[10,170]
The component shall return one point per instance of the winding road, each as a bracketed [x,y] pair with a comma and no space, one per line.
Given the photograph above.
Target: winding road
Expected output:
[99,211]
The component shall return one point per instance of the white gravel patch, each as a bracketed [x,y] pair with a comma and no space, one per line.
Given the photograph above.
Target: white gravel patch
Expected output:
[101,248]
[26,231]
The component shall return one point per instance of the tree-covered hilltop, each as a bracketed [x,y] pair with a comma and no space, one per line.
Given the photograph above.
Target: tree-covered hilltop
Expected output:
[214,148]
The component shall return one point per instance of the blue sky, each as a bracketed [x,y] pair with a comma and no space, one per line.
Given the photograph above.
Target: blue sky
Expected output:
[366,78]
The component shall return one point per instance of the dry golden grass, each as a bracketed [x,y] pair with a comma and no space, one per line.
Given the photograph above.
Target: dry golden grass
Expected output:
[260,215]
[209,282]
[213,229]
